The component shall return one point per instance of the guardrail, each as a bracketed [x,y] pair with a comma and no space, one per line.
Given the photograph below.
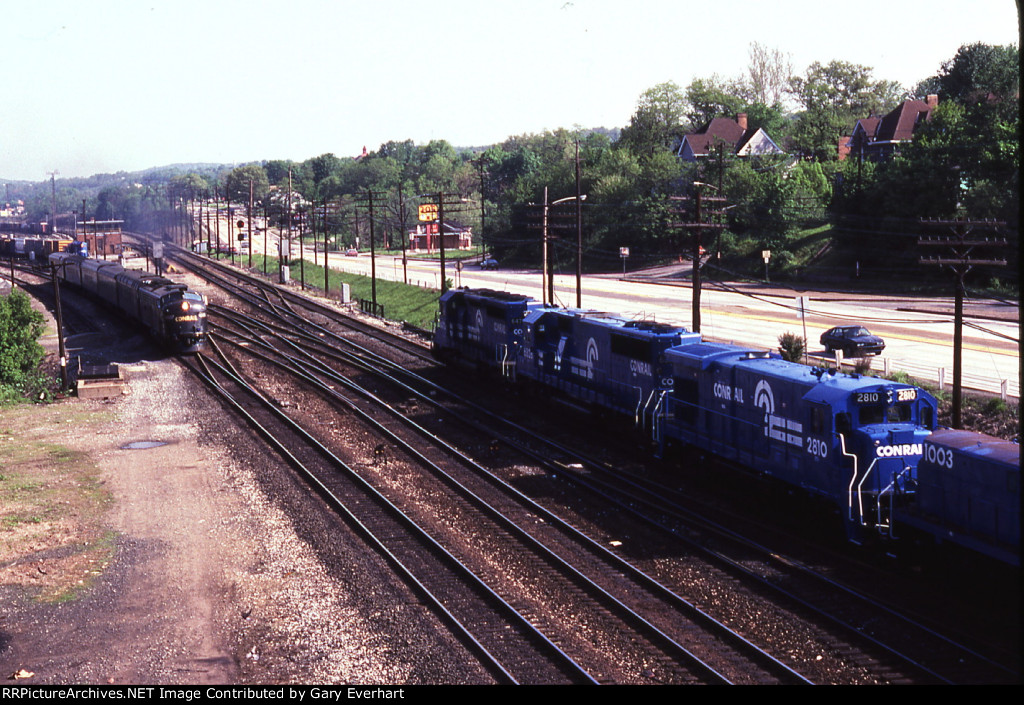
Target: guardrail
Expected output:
[943,377]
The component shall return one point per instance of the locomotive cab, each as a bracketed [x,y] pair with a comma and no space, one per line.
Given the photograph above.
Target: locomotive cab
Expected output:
[185,321]
[880,434]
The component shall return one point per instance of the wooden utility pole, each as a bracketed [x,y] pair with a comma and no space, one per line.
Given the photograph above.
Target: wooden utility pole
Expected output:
[960,256]
[697,223]
[373,252]
[452,201]
[60,326]
[554,219]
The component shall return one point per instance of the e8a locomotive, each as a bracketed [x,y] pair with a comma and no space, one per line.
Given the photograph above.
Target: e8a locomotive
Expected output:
[852,439]
[173,315]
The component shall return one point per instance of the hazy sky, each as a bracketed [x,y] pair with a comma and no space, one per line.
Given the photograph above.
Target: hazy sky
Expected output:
[94,86]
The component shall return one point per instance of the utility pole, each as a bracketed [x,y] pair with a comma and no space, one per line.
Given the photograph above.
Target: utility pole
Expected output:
[551,218]
[441,200]
[250,224]
[579,232]
[697,224]
[53,187]
[373,252]
[60,327]
[960,257]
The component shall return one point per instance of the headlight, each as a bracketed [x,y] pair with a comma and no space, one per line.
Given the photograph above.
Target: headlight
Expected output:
[185,306]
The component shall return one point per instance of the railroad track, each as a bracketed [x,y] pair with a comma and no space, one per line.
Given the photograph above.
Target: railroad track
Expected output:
[892,663]
[484,519]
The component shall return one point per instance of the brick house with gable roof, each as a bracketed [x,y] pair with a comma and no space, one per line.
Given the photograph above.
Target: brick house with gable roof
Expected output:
[734,134]
[879,138]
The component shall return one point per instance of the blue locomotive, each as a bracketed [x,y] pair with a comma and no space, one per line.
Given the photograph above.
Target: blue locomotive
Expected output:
[601,360]
[855,440]
[852,439]
[173,315]
[968,494]
[482,327]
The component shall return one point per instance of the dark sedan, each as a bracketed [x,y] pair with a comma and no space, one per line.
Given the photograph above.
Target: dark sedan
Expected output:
[854,341]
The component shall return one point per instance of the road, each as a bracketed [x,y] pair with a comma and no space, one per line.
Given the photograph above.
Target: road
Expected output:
[918,331]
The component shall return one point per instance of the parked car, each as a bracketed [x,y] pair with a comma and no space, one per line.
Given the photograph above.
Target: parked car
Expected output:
[489,264]
[351,252]
[854,341]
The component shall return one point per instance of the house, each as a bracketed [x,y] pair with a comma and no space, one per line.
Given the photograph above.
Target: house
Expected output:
[878,138]
[424,238]
[733,134]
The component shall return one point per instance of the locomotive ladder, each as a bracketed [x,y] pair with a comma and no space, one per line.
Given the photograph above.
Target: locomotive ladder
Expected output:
[506,361]
[655,413]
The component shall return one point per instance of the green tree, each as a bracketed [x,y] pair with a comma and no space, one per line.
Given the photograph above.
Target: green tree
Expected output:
[708,98]
[834,96]
[189,186]
[657,124]
[981,73]
[20,352]
[236,184]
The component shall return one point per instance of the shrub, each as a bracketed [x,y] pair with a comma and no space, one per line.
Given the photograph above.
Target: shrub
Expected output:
[20,352]
[792,347]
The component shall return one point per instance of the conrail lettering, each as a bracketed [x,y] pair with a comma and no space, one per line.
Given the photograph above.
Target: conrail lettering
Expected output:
[639,367]
[899,450]
[724,391]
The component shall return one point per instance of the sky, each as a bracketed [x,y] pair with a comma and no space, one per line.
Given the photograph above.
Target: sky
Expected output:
[101,86]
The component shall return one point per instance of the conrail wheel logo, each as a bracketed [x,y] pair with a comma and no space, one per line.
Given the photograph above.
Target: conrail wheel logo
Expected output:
[592,357]
[764,399]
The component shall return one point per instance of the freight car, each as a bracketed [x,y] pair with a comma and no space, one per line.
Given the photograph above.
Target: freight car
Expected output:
[173,315]
[968,494]
[34,249]
[854,440]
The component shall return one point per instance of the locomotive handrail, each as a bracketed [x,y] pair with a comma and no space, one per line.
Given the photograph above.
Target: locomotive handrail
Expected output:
[853,479]
[860,491]
[647,408]
[656,417]
[890,489]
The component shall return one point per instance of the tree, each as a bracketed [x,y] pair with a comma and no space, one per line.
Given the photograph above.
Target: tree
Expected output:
[708,98]
[189,186]
[20,352]
[237,183]
[769,75]
[657,123]
[979,73]
[834,96]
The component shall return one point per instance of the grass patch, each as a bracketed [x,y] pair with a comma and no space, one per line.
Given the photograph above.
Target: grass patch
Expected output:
[402,302]
[52,501]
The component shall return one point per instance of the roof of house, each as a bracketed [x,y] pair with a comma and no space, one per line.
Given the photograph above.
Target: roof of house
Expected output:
[726,131]
[897,125]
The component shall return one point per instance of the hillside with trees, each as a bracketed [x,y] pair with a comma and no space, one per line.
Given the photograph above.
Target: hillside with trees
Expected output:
[810,206]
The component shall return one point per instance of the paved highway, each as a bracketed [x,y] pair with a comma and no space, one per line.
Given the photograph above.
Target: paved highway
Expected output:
[918,331]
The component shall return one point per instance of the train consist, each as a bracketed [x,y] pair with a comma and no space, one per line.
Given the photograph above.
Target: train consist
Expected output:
[857,441]
[173,315]
[37,249]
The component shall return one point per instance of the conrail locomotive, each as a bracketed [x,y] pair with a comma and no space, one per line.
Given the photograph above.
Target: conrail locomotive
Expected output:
[172,314]
[855,440]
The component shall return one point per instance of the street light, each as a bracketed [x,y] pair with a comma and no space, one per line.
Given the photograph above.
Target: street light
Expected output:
[579,248]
